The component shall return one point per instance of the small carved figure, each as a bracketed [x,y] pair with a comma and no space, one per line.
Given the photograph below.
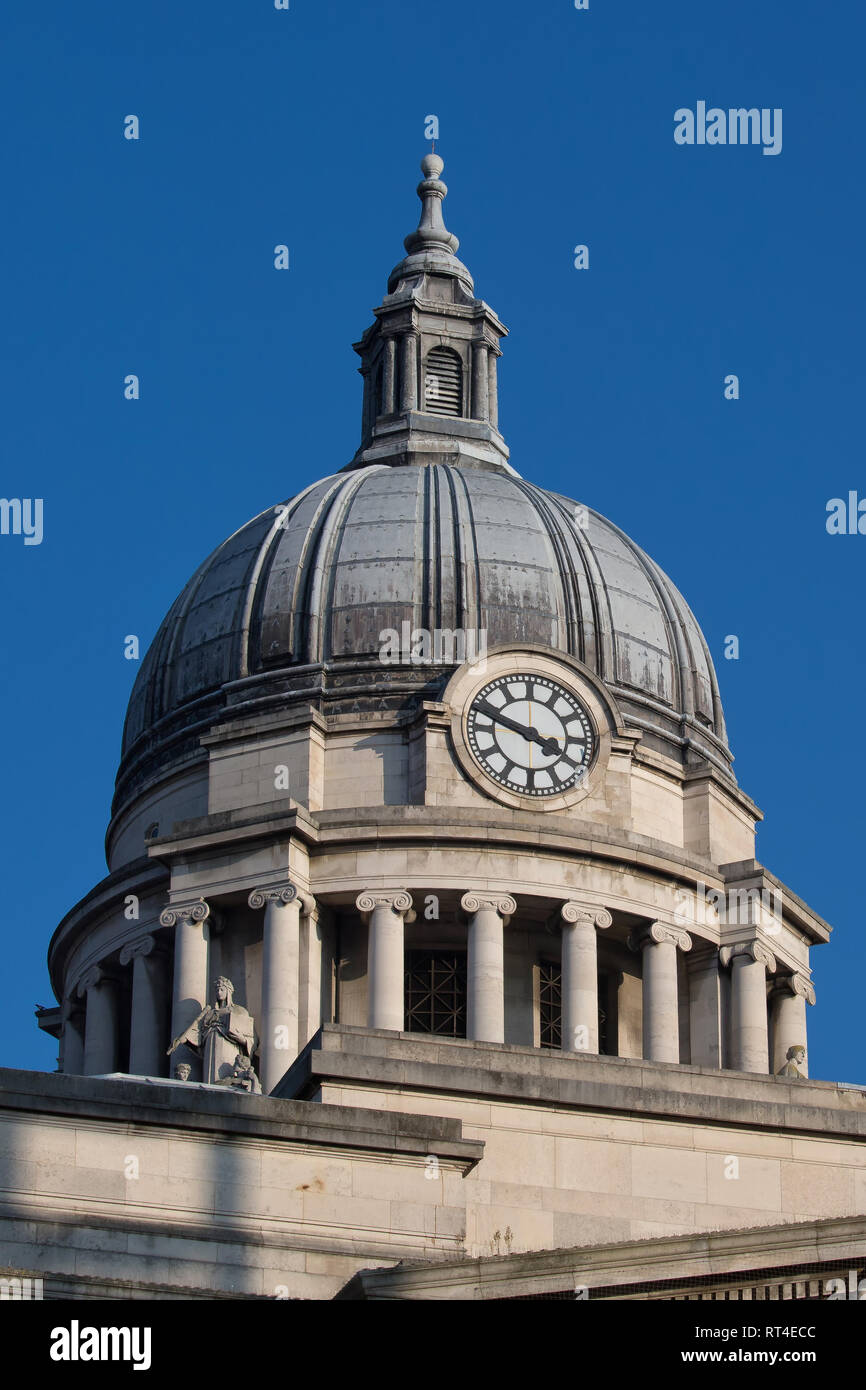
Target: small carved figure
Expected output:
[796,1055]
[182,1071]
[243,1077]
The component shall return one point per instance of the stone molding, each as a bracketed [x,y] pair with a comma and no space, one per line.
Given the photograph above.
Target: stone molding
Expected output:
[503,903]
[199,911]
[398,900]
[578,914]
[657,933]
[283,894]
[144,946]
[754,949]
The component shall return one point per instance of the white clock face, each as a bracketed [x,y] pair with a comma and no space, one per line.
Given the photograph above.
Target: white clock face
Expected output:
[530,734]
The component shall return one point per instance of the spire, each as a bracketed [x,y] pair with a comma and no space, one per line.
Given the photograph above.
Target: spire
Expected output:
[429,361]
[431,246]
[431,230]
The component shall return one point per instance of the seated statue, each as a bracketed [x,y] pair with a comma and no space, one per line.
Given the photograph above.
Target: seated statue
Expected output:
[795,1055]
[222,1034]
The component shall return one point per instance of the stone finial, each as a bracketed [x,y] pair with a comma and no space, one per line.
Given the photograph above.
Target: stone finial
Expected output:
[431,231]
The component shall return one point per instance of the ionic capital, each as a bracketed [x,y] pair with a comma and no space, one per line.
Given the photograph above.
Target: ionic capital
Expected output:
[503,903]
[399,901]
[795,984]
[657,933]
[755,949]
[283,894]
[144,946]
[197,911]
[577,914]
[93,978]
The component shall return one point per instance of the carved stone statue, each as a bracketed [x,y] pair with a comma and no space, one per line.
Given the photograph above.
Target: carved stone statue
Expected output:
[183,1071]
[242,1077]
[222,1033]
[795,1055]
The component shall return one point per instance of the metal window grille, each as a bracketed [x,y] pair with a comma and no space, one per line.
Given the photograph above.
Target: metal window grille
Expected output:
[436,992]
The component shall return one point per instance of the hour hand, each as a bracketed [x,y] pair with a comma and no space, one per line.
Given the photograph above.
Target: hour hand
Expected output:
[549,746]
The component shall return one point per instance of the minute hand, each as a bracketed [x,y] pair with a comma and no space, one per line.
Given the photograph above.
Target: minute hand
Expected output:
[549,746]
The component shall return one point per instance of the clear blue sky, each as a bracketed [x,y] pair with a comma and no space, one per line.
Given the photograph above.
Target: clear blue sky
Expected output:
[306,127]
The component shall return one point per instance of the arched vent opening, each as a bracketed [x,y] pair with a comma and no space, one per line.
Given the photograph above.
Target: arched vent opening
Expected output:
[443,383]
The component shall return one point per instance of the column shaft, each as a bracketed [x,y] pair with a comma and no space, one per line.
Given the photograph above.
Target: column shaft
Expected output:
[146,1039]
[579,988]
[280,968]
[789,1028]
[389,376]
[73,1048]
[189,990]
[661,1017]
[492,390]
[749,1035]
[409,372]
[480,383]
[100,1031]
[385,968]
[485,965]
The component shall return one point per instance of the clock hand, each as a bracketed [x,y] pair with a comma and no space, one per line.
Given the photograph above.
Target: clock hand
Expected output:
[549,746]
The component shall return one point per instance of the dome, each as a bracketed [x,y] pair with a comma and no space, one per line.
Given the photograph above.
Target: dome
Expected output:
[315,581]
[429,525]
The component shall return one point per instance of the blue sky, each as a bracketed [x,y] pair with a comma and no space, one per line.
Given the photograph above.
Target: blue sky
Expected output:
[306,127]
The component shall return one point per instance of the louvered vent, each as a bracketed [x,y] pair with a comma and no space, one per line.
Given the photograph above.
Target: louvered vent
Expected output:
[443,383]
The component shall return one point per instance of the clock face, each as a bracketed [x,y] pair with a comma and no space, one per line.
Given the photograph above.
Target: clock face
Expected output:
[530,734]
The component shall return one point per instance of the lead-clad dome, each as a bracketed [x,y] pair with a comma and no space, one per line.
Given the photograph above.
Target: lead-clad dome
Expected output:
[319,578]
[428,525]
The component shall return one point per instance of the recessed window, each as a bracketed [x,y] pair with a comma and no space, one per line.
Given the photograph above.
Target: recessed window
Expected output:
[436,993]
[443,382]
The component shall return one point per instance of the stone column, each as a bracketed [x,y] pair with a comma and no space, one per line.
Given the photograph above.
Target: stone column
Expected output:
[73,1037]
[580,975]
[278,1027]
[147,1042]
[485,966]
[100,1028]
[788,1002]
[409,372]
[385,913]
[492,390]
[750,1045]
[661,1013]
[189,991]
[480,382]
[389,376]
